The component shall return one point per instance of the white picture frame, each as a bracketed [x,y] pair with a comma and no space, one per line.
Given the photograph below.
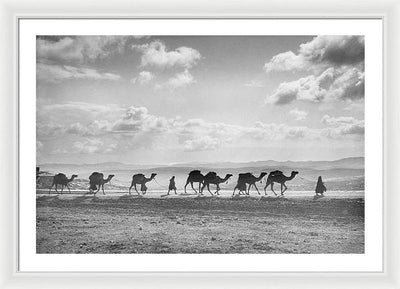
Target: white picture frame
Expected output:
[17,9]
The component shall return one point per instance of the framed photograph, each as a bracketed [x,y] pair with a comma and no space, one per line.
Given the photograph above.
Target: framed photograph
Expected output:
[244,146]
[151,144]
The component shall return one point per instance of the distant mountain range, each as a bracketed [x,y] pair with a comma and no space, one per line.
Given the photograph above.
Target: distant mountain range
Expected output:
[350,163]
[343,174]
[346,163]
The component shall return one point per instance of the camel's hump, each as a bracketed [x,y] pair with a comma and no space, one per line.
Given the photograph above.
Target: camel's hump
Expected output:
[277,172]
[195,172]
[61,175]
[96,175]
[138,175]
[244,174]
[211,174]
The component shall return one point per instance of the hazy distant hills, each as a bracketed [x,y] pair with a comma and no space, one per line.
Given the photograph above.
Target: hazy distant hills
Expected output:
[343,174]
[350,163]
[346,163]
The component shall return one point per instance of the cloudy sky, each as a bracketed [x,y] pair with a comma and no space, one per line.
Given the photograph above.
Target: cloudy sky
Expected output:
[162,100]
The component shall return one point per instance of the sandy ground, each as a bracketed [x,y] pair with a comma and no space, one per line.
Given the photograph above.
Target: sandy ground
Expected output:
[123,224]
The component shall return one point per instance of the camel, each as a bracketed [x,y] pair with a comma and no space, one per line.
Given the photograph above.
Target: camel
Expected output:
[195,176]
[241,186]
[213,178]
[278,177]
[97,179]
[250,179]
[61,179]
[142,180]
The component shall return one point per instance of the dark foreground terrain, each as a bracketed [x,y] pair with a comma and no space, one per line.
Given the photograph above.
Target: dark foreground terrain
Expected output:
[122,224]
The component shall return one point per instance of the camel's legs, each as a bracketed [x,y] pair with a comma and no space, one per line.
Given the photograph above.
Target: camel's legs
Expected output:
[284,189]
[68,188]
[256,189]
[97,190]
[200,187]
[203,187]
[266,186]
[62,189]
[130,189]
[218,189]
[56,188]
[187,182]
[208,188]
[191,184]
[51,188]
[102,188]
[248,190]
[234,191]
[272,188]
[168,191]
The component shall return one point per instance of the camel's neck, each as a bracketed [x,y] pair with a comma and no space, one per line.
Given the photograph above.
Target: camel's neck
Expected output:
[291,177]
[71,179]
[225,179]
[260,177]
[107,180]
[149,179]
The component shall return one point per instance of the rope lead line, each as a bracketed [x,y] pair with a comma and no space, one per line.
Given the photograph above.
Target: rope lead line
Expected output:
[160,184]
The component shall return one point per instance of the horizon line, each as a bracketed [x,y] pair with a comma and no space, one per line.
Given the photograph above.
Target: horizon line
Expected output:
[198,162]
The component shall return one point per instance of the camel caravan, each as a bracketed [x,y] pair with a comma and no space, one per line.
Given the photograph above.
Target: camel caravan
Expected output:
[244,183]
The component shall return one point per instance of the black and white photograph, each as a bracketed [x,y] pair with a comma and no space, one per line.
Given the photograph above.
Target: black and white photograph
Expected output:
[200,144]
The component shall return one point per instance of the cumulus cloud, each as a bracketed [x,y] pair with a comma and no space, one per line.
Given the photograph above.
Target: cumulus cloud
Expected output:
[91,146]
[179,80]
[48,129]
[157,55]
[133,127]
[355,106]
[137,119]
[276,132]
[143,78]
[81,107]
[298,114]
[349,85]
[320,53]
[201,143]
[57,73]
[341,126]
[336,50]
[337,66]
[78,49]
[332,84]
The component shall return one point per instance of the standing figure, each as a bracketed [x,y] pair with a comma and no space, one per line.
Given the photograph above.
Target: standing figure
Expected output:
[320,188]
[171,186]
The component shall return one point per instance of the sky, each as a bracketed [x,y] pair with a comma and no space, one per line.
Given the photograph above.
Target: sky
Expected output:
[177,99]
